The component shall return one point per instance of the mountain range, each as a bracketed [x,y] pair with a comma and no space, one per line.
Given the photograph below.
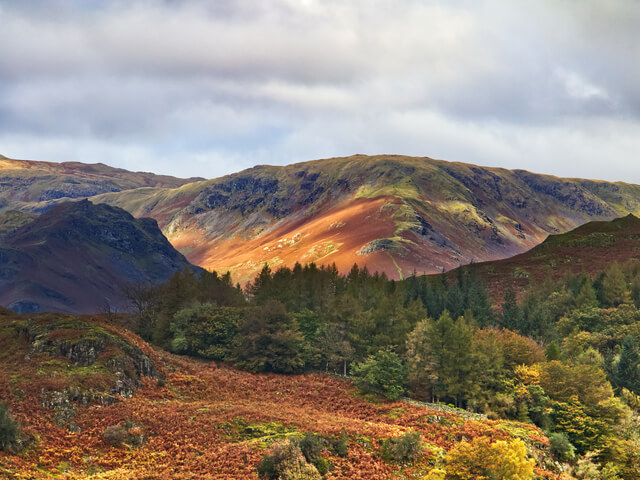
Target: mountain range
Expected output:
[393,214]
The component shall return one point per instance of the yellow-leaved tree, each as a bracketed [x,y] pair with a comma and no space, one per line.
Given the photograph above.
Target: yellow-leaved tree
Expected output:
[482,459]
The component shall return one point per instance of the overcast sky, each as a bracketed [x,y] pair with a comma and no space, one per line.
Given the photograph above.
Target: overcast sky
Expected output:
[209,87]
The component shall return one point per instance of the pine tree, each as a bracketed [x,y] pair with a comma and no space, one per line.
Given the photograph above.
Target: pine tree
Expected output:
[511,317]
[628,371]
[587,298]
[614,285]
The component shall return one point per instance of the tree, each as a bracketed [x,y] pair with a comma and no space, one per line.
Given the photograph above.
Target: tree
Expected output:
[9,430]
[205,330]
[511,317]
[482,459]
[614,285]
[269,340]
[442,358]
[382,372]
[587,298]
[628,365]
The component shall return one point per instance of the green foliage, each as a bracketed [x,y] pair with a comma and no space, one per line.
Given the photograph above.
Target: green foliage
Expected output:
[240,430]
[340,444]
[382,372]
[511,317]
[205,330]
[404,450]
[628,365]
[553,351]
[285,461]
[561,448]
[311,446]
[269,340]
[10,439]
[554,372]
[614,285]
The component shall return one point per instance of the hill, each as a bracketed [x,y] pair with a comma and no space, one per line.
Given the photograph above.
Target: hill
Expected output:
[182,418]
[393,214]
[35,186]
[589,248]
[76,257]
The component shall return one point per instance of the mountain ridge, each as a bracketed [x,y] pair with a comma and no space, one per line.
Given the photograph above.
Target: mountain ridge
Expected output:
[77,257]
[381,211]
[394,214]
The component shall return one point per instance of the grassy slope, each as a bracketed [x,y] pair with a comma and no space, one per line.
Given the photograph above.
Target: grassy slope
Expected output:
[588,248]
[432,214]
[196,423]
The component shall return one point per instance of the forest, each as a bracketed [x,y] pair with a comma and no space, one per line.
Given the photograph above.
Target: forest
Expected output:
[562,355]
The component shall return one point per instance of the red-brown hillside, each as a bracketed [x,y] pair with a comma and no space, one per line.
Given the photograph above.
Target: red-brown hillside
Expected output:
[391,213]
[200,420]
[589,248]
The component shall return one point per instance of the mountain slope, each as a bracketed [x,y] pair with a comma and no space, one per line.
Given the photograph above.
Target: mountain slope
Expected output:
[31,185]
[77,256]
[589,248]
[391,213]
[198,420]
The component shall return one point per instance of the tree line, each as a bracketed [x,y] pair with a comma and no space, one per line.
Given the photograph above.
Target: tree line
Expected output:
[564,355]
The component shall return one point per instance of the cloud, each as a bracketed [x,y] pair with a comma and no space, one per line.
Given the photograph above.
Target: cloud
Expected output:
[208,87]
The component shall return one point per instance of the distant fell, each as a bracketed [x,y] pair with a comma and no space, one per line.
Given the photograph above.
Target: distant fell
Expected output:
[35,186]
[391,213]
[77,256]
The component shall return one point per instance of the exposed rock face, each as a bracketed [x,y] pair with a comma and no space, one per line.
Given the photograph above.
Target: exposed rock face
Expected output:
[89,350]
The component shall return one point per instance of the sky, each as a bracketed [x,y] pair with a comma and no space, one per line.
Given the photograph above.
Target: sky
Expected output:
[210,87]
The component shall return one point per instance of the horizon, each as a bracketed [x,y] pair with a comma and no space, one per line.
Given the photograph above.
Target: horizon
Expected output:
[202,178]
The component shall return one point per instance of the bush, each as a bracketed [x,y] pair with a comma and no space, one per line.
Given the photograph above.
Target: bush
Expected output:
[561,448]
[382,372]
[405,449]
[127,433]
[340,445]
[10,439]
[482,459]
[311,446]
[285,461]
[115,435]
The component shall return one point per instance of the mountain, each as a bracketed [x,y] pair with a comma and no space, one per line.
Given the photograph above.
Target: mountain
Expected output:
[76,257]
[34,186]
[392,213]
[589,248]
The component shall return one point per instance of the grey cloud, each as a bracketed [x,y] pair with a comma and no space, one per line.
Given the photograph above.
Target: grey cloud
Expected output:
[225,84]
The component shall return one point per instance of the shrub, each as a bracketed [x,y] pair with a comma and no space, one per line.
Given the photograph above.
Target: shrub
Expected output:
[340,445]
[405,449]
[561,448]
[10,439]
[127,433]
[482,459]
[115,435]
[311,446]
[382,372]
[285,461]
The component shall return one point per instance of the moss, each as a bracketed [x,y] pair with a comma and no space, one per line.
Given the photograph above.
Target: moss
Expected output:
[396,413]
[263,433]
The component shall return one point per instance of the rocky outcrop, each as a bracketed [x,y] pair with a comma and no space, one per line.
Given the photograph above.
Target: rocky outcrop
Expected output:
[101,367]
